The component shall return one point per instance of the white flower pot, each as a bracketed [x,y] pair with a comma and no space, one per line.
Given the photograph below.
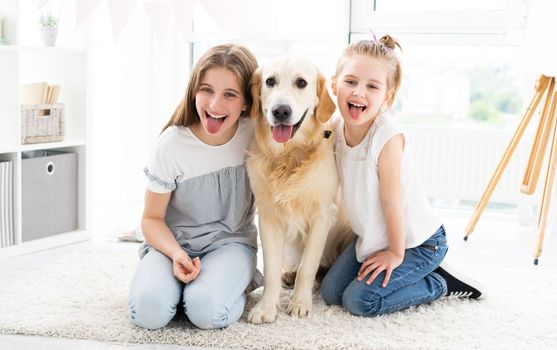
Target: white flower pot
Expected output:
[48,35]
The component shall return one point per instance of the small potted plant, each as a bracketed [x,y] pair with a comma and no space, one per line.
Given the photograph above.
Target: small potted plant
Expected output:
[2,41]
[48,20]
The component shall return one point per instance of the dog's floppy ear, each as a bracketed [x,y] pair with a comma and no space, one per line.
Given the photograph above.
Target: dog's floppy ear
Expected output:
[326,106]
[255,88]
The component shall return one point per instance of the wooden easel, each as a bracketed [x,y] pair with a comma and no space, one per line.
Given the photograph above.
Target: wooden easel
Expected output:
[547,129]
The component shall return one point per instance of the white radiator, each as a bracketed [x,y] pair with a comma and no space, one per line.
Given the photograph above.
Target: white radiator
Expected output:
[457,164]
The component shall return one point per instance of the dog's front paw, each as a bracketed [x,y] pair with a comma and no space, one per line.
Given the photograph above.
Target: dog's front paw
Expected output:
[299,306]
[263,312]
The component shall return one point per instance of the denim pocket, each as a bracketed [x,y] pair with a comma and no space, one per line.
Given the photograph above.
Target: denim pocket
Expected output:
[441,238]
[434,244]
[430,247]
[428,250]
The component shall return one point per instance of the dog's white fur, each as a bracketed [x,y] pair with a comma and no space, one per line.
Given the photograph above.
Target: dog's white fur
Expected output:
[295,183]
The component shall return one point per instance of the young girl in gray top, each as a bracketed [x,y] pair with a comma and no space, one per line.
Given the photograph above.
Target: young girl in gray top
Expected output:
[198,218]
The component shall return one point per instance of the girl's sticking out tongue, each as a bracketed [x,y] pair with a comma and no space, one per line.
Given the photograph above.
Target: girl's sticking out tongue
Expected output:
[356,110]
[214,124]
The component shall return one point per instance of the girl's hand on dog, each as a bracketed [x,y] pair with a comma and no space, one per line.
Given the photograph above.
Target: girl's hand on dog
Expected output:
[384,260]
[185,269]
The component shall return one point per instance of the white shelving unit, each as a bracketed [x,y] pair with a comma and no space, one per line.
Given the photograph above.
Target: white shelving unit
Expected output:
[22,61]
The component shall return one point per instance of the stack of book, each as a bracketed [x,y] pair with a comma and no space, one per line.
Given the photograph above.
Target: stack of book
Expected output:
[40,93]
[6,204]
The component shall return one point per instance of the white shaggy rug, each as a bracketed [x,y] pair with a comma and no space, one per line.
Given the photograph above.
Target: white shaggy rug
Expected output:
[84,295]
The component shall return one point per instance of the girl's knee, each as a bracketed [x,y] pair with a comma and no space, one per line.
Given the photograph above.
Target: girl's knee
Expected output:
[207,311]
[151,312]
[361,301]
[209,317]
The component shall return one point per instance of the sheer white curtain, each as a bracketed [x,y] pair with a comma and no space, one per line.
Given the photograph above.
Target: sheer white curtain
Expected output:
[137,80]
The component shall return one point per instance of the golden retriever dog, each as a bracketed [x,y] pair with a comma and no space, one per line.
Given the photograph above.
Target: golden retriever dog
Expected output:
[293,175]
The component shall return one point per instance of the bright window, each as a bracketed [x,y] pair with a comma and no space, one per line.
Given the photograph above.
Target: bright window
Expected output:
[463,86]
[463,62]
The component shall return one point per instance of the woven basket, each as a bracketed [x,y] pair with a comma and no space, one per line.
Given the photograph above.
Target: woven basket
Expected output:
[42,123]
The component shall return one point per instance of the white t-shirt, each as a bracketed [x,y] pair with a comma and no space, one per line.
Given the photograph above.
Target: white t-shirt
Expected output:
[358,172]
[178,155]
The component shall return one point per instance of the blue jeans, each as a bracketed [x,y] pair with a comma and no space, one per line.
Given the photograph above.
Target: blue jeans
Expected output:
[215,299]
[412,283]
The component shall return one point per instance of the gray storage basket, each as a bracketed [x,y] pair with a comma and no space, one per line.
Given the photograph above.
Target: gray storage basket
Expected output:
[49,193]
[42,123]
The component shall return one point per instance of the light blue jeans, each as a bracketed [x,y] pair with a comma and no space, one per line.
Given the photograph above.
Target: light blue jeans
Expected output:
[412,283]
[215,299]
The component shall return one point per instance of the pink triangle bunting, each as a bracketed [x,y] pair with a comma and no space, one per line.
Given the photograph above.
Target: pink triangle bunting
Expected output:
[183,15]
[159,13]
[120,13]
[84,9]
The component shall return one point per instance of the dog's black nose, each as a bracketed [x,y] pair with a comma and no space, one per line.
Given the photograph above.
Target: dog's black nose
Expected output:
[281,112]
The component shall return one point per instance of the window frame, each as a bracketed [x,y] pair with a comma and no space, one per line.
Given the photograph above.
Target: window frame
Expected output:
[444,27]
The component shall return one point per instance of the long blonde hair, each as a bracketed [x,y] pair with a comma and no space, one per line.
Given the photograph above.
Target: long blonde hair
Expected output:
[383,48]
[238,59]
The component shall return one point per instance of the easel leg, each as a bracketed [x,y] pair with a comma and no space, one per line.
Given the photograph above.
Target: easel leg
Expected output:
[548,187]
[552,121]
[537,154]
[541,86]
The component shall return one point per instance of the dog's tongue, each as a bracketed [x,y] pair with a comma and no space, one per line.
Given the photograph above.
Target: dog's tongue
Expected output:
[214,124]
[355,112]
[282,133]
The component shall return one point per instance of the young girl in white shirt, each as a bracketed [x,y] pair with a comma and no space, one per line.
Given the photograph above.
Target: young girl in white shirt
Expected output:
[395,261]
[201,240]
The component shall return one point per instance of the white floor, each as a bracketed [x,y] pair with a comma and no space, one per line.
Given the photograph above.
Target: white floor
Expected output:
[498,239]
